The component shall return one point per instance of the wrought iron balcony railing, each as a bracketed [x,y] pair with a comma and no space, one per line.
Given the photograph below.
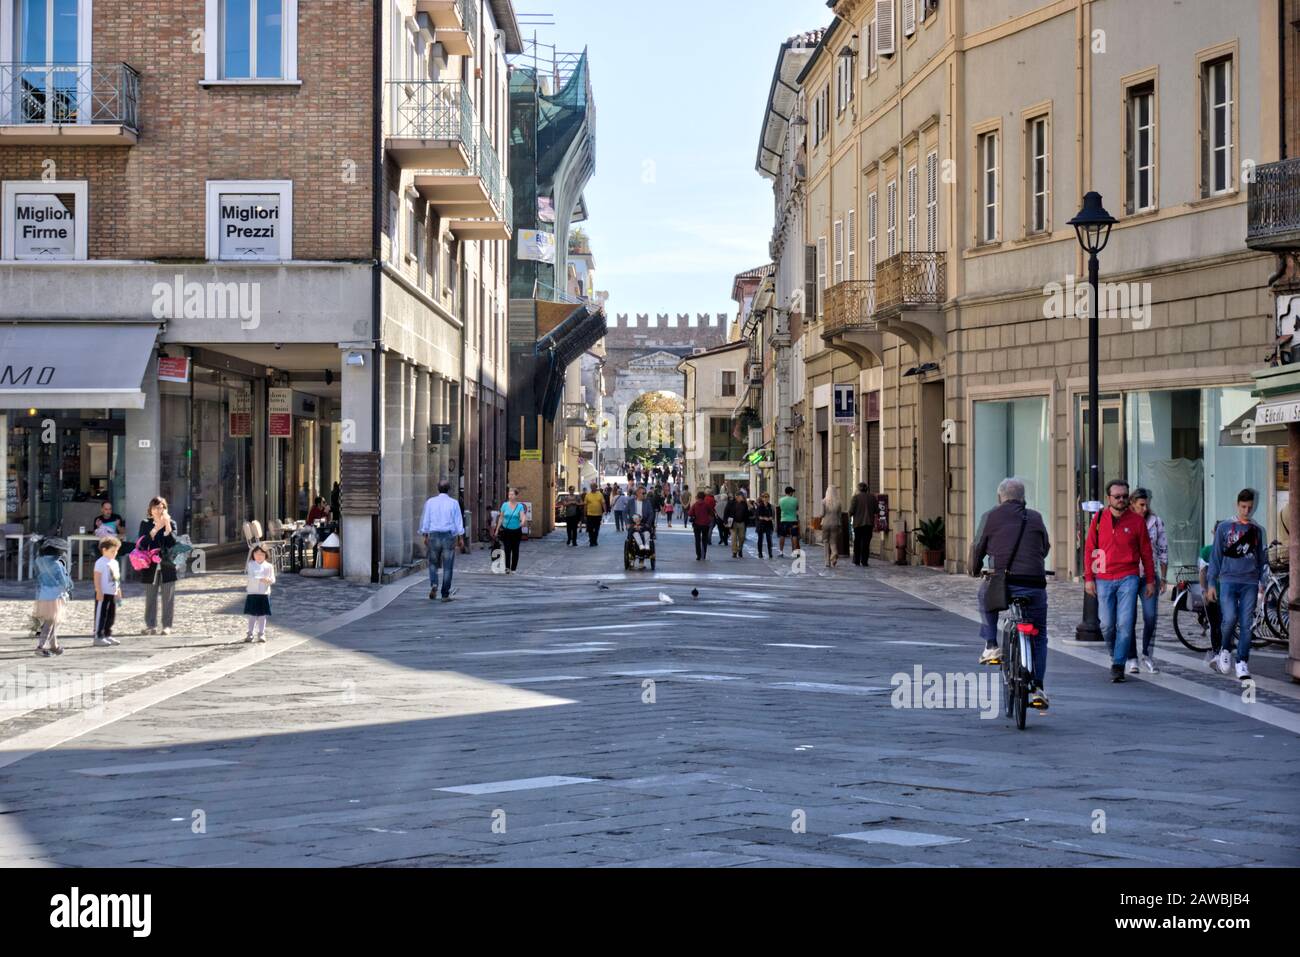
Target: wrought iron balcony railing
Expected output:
[69,94]
[432,110]
[848,306]
[911,279]
[1273,207]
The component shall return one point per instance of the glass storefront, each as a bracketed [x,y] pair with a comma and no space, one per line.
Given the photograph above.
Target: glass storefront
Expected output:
[57,465]
[1013,438]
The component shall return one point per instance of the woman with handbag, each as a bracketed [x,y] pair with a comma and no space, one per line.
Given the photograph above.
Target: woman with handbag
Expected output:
[152,558]
[830,525]
[509,528]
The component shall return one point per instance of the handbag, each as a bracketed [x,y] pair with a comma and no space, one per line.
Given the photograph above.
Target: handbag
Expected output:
[141,558]
[996,596]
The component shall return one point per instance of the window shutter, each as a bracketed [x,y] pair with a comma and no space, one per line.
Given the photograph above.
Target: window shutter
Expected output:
[1130,153]
[885,27]
[909,17]
[912,208]
[809,282]
[838,273]
[1207,130]
[873,223]
[821,273]
[932,201]
[394,227]
[853,245]
[872,48]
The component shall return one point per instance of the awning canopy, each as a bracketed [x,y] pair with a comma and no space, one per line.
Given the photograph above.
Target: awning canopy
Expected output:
[72,365]
[1268,424]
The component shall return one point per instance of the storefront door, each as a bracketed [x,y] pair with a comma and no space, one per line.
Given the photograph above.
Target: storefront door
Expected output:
[1111,452]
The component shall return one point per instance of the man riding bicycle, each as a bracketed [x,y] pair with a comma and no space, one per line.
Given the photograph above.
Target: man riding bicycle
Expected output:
[1014,539]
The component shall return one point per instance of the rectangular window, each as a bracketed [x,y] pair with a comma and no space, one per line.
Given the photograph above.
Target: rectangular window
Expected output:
[821,274]
[251,41]
[44,221]
[728,384]
[394,233]
[1037,179]
[988,188]
[873,224]
[913,203]
[250,220]
[412,232]
[723,444]
[871,48]
[1140,181]
[838,246]
[891,218]
[1216,127]
[1014,437]
[932,201]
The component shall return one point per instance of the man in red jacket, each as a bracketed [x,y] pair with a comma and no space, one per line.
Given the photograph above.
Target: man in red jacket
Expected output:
[1117,544]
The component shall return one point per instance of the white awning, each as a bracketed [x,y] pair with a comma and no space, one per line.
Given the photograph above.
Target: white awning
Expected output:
[71,365]
[1260,432]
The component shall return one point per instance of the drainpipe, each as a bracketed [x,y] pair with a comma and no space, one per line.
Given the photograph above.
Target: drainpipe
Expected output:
[376,246]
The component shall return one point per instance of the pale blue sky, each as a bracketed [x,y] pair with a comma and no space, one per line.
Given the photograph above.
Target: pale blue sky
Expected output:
[680,88]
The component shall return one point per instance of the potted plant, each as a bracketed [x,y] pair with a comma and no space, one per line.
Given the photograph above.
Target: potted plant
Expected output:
[930,534]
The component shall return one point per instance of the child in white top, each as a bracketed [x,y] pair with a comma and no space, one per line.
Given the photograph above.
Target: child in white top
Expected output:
[257,603]
[108,590]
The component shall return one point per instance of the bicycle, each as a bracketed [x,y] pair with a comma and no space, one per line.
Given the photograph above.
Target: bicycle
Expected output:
[1191,617]
[1017,658]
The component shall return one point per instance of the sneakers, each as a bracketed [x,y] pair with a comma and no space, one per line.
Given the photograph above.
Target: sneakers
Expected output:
[149,631]
[56,650]
[104,642]
[1243,672]
[991,656]
[43,651]
[1223,664]
[261,639]
[1211,660]
[1117,674]
[1149,664]
[1133,668]
[1038,699]
[166,631]
[781,553]
[248,640]
[444,598]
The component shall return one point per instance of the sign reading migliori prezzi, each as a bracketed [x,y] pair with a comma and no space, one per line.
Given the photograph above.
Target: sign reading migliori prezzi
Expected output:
[250,226]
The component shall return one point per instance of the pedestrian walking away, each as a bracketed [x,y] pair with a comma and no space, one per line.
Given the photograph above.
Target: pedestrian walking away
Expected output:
[620,508]
[700,515]
[1014,539]
[1119,549]
[765,522]
[594,503]
[108,590]
[831,516]
[720,512]
[442,525]
[1141,504]
[788,521]
[153,560]
[862,510]
[510,529]
[1238,567]
[257,594]
[738,518]
[571,509]
[53,591]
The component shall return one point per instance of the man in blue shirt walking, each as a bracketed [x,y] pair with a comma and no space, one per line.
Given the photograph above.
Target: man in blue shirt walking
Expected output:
[442,526]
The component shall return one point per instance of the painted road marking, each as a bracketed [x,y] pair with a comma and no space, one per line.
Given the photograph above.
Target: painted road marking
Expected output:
[716,614]
[153,767]
[831,688]
[786,644]
[537,681]
[521,784]
[886,835]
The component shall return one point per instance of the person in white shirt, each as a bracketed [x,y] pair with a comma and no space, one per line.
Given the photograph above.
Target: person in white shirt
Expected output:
[257,601]
[442,526]
[108,590]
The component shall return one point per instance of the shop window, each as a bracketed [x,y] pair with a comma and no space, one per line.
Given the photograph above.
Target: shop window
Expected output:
[251,41]
[250,220]
[1013,439]
[44,222]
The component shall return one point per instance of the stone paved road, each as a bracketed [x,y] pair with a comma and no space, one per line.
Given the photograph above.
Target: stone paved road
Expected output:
[542,720]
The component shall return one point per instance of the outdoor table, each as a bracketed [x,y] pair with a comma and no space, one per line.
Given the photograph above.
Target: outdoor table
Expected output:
[81,551]
[22,537]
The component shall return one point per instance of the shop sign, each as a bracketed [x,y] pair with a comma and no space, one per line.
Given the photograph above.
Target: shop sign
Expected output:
[279,413]
[45,226]
[173,370]
[882,513]
[845,410]
[241,415]
[530,455]
[537,245]
[250,226]
[1278,413]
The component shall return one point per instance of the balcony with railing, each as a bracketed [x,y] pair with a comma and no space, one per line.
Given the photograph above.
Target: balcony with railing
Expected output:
[69,104]
[478,199]
[848,307]
[455,23]
[910,279]
[1273,207]
[432,124]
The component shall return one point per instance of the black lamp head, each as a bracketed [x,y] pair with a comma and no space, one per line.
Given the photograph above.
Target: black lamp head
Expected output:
[1092,225]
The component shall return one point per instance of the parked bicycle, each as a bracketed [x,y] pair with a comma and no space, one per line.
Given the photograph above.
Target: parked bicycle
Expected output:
[1191,616]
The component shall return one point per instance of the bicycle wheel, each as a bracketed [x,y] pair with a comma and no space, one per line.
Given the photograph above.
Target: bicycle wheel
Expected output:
[1276,614]
[1191,627]
[1019,688]
[1006,628]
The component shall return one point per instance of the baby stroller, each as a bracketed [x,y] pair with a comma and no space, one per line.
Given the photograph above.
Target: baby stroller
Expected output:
[632,552]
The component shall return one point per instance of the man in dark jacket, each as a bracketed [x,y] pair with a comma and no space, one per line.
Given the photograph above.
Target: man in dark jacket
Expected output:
[1014,539]
[862,509]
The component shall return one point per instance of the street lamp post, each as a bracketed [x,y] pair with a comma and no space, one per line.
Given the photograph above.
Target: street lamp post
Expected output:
[1092,227]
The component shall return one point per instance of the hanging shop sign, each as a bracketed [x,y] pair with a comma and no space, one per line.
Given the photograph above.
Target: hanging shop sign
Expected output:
[241,415]
[173,370]
[537,246]
[845,409]
[279,413]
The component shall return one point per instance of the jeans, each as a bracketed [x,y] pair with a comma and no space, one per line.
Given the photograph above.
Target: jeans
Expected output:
[510,538]
[1150,610]
[702,535]
[722,530]
[861,543]
[618,520]
[442,553]
[764,532]
[1037,615]
[1238,599]
[1117,607]
[152,591]
[738,540]
[571,531]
